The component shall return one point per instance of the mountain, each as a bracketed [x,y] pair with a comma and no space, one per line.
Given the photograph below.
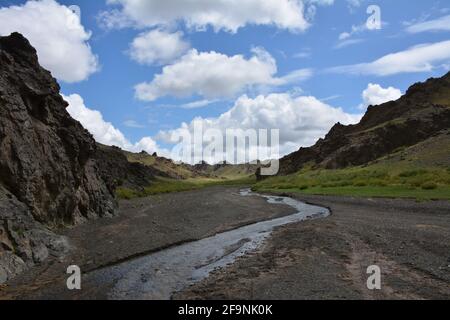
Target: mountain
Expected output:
[421,114]
[182,171]
[47,158]
[52,172]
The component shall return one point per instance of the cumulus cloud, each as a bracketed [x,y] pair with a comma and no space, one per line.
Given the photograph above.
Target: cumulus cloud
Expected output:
[219,14]
[209,74]
[104,132]
[158,47]
[421,58]
[375,95]
[92,120]
[439,24]
[57,34]
[215,75]
[301,120]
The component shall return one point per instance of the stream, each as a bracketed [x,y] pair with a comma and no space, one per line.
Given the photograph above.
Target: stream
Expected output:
[159,275]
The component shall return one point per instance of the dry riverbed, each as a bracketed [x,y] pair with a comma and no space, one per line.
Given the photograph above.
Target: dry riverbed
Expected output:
[318,259]
[328,259]
[144,226]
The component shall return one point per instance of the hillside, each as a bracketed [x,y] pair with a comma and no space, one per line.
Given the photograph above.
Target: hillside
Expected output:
[399,149]
[423,112]
[182,171]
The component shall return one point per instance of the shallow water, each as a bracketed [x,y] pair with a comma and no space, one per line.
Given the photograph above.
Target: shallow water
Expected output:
[161,274]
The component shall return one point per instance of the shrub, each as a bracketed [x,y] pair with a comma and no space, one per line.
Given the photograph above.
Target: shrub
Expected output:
[411,173]
[429,186]
[127,194]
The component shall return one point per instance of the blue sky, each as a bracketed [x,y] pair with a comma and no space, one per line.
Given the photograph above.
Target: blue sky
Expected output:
[316,44]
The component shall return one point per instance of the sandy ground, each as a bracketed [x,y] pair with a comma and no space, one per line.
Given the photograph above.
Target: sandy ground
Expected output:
[144,226]
[323,259]
[328,259]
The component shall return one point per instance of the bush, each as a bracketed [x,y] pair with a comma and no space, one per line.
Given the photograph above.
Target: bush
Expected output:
[411,173]
[429,186]
[127,194]
[380,183]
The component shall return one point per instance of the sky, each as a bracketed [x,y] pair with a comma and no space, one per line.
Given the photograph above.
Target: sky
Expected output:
[136,72]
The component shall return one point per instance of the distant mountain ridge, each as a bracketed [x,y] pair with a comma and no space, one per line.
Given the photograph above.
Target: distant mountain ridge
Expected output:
[423,112]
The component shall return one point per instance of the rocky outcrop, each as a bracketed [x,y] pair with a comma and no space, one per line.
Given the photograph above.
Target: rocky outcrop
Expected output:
[119,172]
[47,159]
[49,174]
[424,111]
[23,241]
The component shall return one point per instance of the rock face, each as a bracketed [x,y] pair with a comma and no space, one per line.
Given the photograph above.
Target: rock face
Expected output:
[117,171]
[424,111]
[23,241]
[49,174]
[47,159]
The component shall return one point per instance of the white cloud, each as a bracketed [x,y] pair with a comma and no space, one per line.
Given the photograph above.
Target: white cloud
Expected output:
[303,54]
[158,47]
[356,29]
[421,58]
[57,34]
[228,15]
[301,120]
[215,75]
[92,120]
[375,95]
[346,39]
[133,124]
[197,104]
[294,76]
[348,42]
[440,24]
[354,5]
[104,132]
[344,35]
[321,2]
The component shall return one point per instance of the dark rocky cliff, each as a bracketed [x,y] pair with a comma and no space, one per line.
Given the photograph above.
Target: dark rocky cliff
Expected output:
[49,174]
[424,111]
[47,158]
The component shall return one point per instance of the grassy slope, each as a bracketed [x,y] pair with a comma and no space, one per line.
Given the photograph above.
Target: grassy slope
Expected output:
[170,185]
[185,178]
[421,172]
[164,165]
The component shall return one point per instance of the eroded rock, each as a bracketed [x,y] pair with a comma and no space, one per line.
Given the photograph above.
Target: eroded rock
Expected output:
[49,173]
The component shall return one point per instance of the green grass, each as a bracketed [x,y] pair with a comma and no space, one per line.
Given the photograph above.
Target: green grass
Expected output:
[162,186]
[440,193]
[372,181]
[378,180]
